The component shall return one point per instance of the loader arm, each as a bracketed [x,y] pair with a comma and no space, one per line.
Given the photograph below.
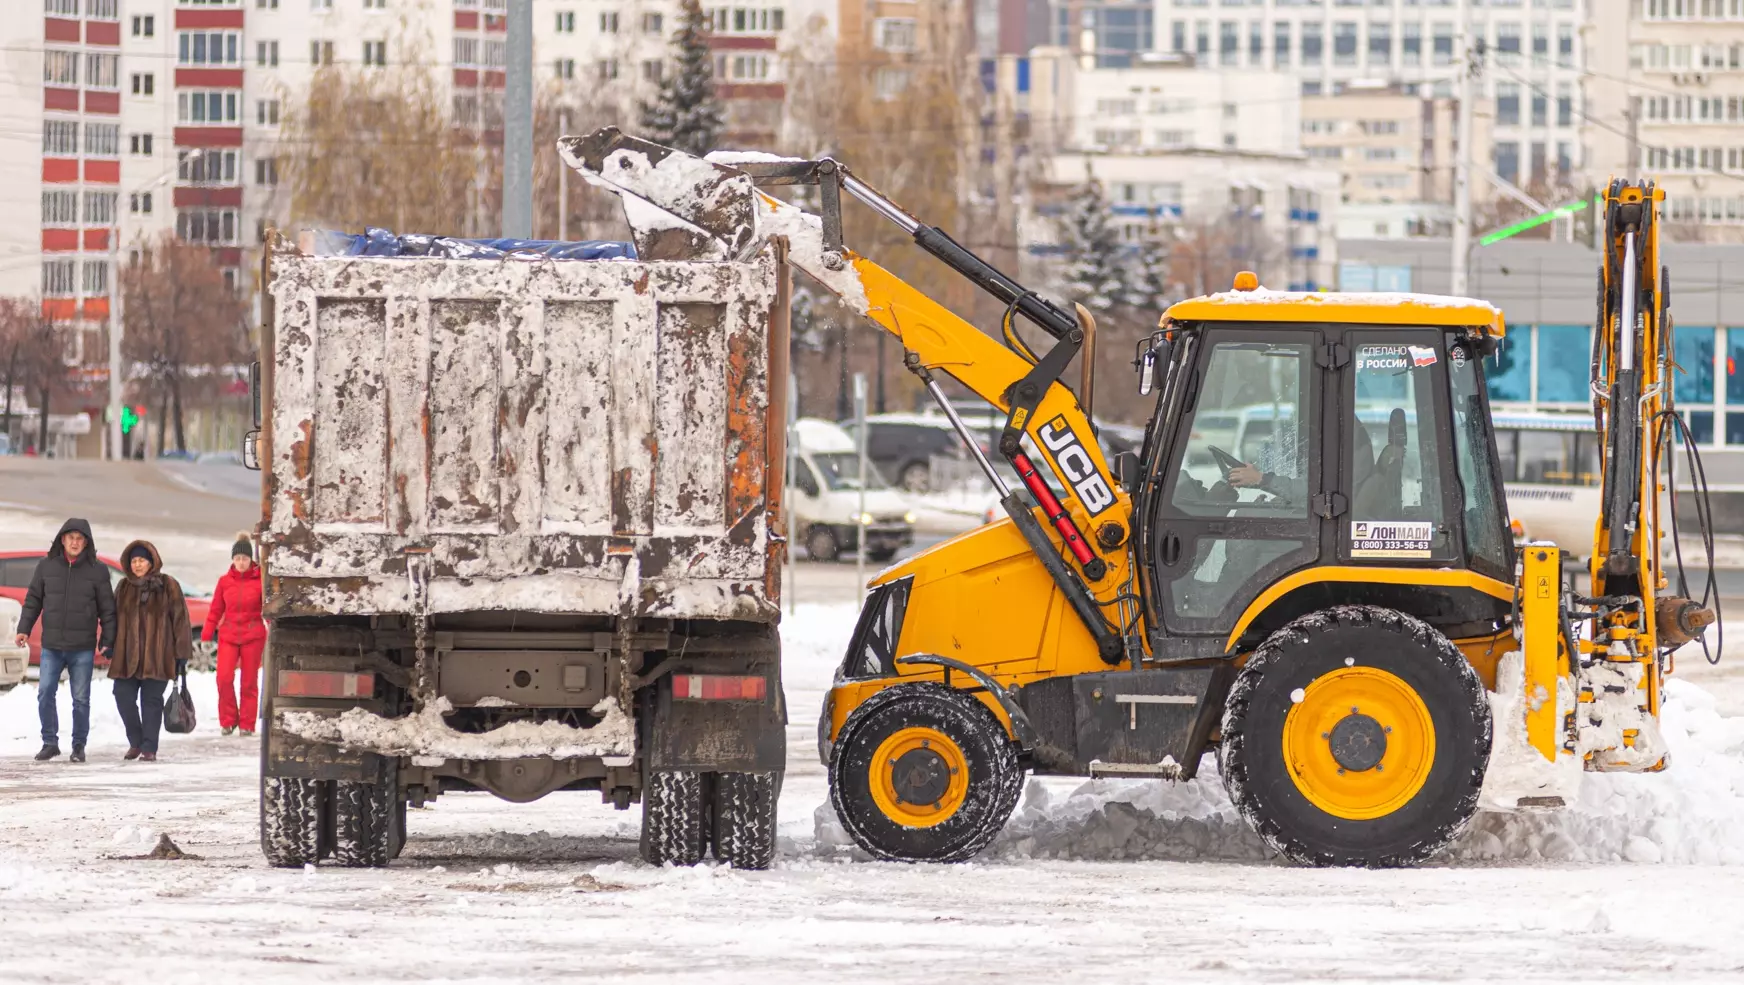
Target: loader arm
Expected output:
[712,209]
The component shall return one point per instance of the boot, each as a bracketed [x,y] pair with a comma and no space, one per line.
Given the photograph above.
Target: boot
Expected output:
[78,755]
[49,751]
[132,753]
[230,730]
[148,757]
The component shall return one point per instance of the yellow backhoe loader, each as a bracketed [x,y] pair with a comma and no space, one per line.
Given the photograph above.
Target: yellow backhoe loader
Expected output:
[1307,571]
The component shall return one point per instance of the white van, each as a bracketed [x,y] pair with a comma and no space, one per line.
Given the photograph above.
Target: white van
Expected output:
[1550,470]
[823,492]
[14,660]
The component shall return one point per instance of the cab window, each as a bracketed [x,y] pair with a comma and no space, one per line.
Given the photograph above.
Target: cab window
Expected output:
[1246,452]
[1487,543]
[1395,450]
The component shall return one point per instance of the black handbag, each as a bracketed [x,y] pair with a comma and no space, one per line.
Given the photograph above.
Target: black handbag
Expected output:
[179,706]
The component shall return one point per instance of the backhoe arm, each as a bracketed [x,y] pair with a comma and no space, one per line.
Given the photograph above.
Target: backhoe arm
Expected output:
[681,204]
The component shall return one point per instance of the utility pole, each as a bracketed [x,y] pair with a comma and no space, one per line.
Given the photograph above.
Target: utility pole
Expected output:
[115,328]
[518,124]
[562,183]
[1467,62]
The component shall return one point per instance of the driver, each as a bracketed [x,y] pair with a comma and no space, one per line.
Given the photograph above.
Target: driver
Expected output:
[1282,475]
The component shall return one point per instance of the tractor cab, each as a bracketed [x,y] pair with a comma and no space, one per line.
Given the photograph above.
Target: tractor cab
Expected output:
[1310,450]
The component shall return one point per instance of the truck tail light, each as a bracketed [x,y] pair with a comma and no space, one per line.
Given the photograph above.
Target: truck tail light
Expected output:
[719,687]
[325,684]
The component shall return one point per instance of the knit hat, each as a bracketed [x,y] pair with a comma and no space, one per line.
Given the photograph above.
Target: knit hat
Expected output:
[244,547]
[138,550]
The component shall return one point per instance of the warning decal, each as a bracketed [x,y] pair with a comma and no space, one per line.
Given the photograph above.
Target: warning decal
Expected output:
[1390,538]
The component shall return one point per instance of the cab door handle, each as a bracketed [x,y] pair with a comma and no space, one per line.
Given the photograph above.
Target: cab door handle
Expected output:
[1171,548]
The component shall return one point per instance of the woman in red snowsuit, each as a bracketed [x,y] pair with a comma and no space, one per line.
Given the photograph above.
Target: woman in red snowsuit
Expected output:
[236,610]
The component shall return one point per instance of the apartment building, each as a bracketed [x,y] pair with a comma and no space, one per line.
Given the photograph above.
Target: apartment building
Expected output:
[1393,147]
[1532,81]
[1667,102]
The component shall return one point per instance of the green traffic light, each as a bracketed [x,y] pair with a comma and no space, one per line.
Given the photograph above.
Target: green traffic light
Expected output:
[130,418]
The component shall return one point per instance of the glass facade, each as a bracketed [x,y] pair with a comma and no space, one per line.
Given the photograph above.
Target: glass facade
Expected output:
[1547,367]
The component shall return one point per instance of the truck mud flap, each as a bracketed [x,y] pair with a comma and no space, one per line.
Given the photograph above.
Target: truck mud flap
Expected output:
[716,736]
[293,756]
[1125,723]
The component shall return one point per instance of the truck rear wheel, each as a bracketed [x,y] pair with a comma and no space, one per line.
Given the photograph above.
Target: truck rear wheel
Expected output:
[744,818]
[290,820]
[674,818]
[1356,736]
[366,825]
[924,773]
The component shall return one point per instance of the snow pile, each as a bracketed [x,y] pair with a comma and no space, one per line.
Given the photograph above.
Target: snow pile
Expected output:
[732,157]
[426,736]
[1518,770]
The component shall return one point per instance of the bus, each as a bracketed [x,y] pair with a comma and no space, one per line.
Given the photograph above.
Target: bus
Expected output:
[1550,471]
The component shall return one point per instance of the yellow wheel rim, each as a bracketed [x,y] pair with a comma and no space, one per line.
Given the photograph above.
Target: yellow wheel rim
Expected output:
[920,777]
[1358,743]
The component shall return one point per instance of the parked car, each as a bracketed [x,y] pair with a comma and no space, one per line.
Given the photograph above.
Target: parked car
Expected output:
[13,659]
[825,493]
[903,445]
[17,567]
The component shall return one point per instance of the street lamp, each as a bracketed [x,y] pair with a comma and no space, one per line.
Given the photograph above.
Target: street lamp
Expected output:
[115,303]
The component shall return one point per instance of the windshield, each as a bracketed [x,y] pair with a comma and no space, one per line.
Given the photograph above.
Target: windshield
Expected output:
[841,470]
[1486,543]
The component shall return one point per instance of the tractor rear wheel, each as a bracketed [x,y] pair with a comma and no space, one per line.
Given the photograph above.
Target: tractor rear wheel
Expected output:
[1356,736]
[924,773]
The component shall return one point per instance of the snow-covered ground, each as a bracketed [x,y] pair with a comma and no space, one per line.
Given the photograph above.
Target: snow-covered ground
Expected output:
[1092,881]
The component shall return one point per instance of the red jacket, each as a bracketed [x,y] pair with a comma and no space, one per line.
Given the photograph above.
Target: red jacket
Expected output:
[236,607]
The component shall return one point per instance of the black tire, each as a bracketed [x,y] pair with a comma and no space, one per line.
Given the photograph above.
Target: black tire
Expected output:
[995,779]
[366,823]
[291,812]
[675,820]
[916,477]
[399,828]
[744,818]
[1261,783]
[821,544]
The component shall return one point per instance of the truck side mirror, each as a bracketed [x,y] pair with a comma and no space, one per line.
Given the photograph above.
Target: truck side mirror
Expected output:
[1127,471]
[251,451]
[254,390]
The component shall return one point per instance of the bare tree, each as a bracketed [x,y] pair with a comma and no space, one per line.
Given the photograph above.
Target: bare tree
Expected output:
[183,325]
[30,356]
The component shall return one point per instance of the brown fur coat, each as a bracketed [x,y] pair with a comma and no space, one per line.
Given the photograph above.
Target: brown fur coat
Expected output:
[152,622]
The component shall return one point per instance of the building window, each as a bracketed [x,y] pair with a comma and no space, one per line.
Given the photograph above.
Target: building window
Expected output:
[1507,104]
[139,143]
[60,138]
[1312,43]
[60,68]
[145,26]
[465,52]
[608,69]
[1228,43]
[1565,43]
[1411,44]
[1442,42]
[608,22]
[57,278]
[1380,44]
[103,139]
[60,208]
[216,227]
[653,24]
[1344,43]
[266,54]
[266,171]
[61,8]
[653,70]
[375,53]
[375,4]
[99,208]
[206,107]
[139,203]
[565,68]
[266,4]
[465,109]
[1540,109]
[208,48]
[320,6]
[1508,160]
[494,54]
[1565,105]
[103,71]
[143,83]
[320,53]
[566,22]
[209,167]
[266,112]
[894,33]
[1280,44]
[1256,44]
[1508,44]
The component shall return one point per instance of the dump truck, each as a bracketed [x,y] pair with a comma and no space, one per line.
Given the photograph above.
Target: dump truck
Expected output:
[518,532]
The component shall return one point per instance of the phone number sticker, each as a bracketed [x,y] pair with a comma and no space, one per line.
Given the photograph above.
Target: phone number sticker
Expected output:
[1392,539]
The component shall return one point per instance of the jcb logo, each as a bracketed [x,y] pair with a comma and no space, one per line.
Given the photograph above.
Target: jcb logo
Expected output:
[1076,465]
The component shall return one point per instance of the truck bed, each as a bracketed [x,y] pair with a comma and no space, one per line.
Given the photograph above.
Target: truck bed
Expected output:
[523,435]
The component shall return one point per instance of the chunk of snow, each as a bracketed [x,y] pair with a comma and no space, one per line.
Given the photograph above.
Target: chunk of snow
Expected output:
[1298,696]
[1641,850]
[732,157]
[425,734]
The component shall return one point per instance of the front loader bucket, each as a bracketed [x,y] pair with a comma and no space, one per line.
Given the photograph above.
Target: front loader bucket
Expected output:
[679,206]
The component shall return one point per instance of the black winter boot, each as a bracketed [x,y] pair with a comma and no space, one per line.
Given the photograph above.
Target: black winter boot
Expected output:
[49,751]
[78,755]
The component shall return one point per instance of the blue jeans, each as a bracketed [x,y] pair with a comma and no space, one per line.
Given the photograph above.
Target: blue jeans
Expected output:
[78,665]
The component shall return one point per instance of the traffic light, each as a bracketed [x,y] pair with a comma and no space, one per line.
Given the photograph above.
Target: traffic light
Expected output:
[130,417]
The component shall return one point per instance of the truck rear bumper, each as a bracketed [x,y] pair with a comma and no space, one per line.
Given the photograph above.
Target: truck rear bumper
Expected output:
[428,739]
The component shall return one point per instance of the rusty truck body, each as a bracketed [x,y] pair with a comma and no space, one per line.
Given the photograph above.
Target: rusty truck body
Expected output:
[519,535]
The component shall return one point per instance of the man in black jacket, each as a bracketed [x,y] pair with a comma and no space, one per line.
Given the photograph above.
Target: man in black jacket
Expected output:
[71,592]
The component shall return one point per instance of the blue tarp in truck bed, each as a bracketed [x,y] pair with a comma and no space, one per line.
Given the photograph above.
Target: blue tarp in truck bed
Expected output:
[375,242]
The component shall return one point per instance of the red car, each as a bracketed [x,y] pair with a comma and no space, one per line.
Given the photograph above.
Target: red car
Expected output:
[18,567]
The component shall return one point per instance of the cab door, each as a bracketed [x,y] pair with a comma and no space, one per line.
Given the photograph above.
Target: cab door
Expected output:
[1240,482]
